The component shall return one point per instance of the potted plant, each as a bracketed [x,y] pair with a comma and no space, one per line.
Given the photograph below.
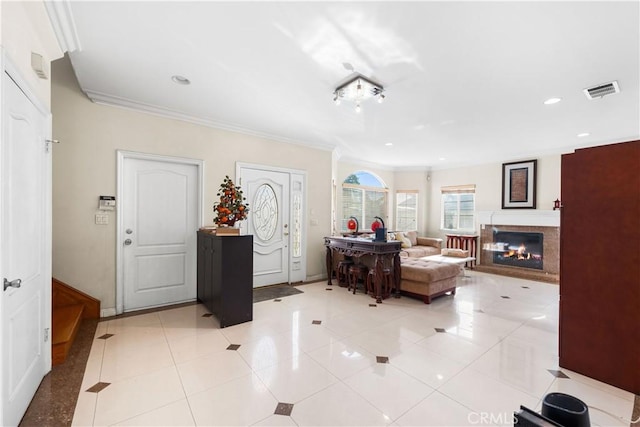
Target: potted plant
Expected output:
[230,208]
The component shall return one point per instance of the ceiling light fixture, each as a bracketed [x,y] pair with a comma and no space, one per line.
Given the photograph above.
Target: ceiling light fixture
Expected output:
[552,101]
[583,134]
[389,144]
[181,80]
[358,89]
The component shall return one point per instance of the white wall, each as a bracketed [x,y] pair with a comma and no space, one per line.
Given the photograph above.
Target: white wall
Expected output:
[84,167]
[488,181]
[25,28]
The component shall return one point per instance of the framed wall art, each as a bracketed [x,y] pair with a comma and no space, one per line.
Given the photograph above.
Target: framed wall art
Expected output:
[519,185]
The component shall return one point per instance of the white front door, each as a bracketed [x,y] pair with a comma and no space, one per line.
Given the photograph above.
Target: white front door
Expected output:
[157,232]
[267,193]
[25,259]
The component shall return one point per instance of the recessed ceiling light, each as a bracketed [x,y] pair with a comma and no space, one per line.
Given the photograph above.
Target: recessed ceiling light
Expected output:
[442,159]
[181,80]
[552,101]
[389,144]
[583,134]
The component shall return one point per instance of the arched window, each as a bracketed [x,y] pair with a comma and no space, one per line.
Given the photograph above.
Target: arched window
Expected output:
[364,196]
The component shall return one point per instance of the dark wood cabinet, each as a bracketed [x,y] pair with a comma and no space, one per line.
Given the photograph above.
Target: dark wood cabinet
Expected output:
[600,264]
[225,277]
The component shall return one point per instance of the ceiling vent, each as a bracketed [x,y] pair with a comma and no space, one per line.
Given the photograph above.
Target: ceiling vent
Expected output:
[601,90]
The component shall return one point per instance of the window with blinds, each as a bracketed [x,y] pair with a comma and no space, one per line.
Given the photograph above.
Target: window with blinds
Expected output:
[364,202]
[407,210]
[458,208]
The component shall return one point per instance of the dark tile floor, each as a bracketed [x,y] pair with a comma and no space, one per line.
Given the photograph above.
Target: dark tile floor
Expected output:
[55,399]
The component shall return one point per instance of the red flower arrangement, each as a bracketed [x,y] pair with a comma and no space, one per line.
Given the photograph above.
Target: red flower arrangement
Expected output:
[231,207]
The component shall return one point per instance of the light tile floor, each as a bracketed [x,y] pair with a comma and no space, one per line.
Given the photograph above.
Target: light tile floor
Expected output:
[494,354]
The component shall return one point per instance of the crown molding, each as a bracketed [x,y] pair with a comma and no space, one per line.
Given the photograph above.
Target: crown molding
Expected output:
[392,168]
[359,162]
[63,24]
[129,104]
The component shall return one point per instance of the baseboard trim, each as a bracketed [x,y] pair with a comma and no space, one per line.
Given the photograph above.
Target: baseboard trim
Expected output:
[108,312]
[316,278]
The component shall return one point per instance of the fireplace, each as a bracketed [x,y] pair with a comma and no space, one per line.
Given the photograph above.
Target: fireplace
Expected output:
[525,223]
[518,249]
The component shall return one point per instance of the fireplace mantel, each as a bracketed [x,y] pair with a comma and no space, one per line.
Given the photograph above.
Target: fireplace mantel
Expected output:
[532,217]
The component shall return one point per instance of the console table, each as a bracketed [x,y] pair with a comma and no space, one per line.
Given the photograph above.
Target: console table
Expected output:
[357,247]
[466,242]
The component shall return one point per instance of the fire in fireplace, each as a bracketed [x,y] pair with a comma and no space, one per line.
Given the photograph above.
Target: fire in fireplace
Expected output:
[517,249]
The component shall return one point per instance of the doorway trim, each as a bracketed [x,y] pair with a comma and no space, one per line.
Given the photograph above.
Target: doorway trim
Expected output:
[295,274]
[122,155]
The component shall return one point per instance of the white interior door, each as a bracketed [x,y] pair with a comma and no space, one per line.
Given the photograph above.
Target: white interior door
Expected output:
[267,193]
[157,232]
[25,259]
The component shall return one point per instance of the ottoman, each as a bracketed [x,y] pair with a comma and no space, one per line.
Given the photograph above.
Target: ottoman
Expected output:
[427,279]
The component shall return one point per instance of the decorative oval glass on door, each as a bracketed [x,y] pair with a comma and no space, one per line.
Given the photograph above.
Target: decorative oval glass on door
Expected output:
[265,212]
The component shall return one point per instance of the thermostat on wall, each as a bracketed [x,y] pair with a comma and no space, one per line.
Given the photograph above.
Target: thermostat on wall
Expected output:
[107,203]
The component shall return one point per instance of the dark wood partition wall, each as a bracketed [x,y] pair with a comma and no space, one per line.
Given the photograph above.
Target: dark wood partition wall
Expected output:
[600,264]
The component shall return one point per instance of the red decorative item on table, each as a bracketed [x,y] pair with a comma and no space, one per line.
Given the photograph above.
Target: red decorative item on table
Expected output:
[352,224]
[378,227]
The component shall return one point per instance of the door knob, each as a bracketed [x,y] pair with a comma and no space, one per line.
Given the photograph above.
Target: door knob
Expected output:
[127,242]
[12,284]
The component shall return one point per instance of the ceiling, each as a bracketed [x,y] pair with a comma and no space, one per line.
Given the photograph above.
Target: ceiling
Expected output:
[464,82]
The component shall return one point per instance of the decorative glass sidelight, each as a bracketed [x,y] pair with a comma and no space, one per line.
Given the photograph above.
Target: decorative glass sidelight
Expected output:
[265,212]
[296,229]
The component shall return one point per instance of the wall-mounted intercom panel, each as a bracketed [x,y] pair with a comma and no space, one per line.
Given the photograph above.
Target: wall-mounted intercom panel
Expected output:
[107,203]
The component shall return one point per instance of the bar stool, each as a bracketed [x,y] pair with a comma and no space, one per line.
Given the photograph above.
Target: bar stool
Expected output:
[357,272]
[387,283]
[343,272]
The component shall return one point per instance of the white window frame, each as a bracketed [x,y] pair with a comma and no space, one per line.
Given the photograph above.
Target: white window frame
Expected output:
[363,213]
[458,190]
[370,187]
[415,217]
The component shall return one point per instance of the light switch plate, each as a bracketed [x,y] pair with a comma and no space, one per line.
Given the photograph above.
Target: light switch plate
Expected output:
[102,219]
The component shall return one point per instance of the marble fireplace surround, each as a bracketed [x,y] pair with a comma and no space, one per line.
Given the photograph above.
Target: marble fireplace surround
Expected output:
[536,221]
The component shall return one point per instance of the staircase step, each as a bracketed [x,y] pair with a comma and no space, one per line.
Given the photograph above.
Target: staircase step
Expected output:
[66,322]
[64,294]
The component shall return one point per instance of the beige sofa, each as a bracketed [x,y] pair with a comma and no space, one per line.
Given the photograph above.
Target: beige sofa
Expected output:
[427,279]
[420,246]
